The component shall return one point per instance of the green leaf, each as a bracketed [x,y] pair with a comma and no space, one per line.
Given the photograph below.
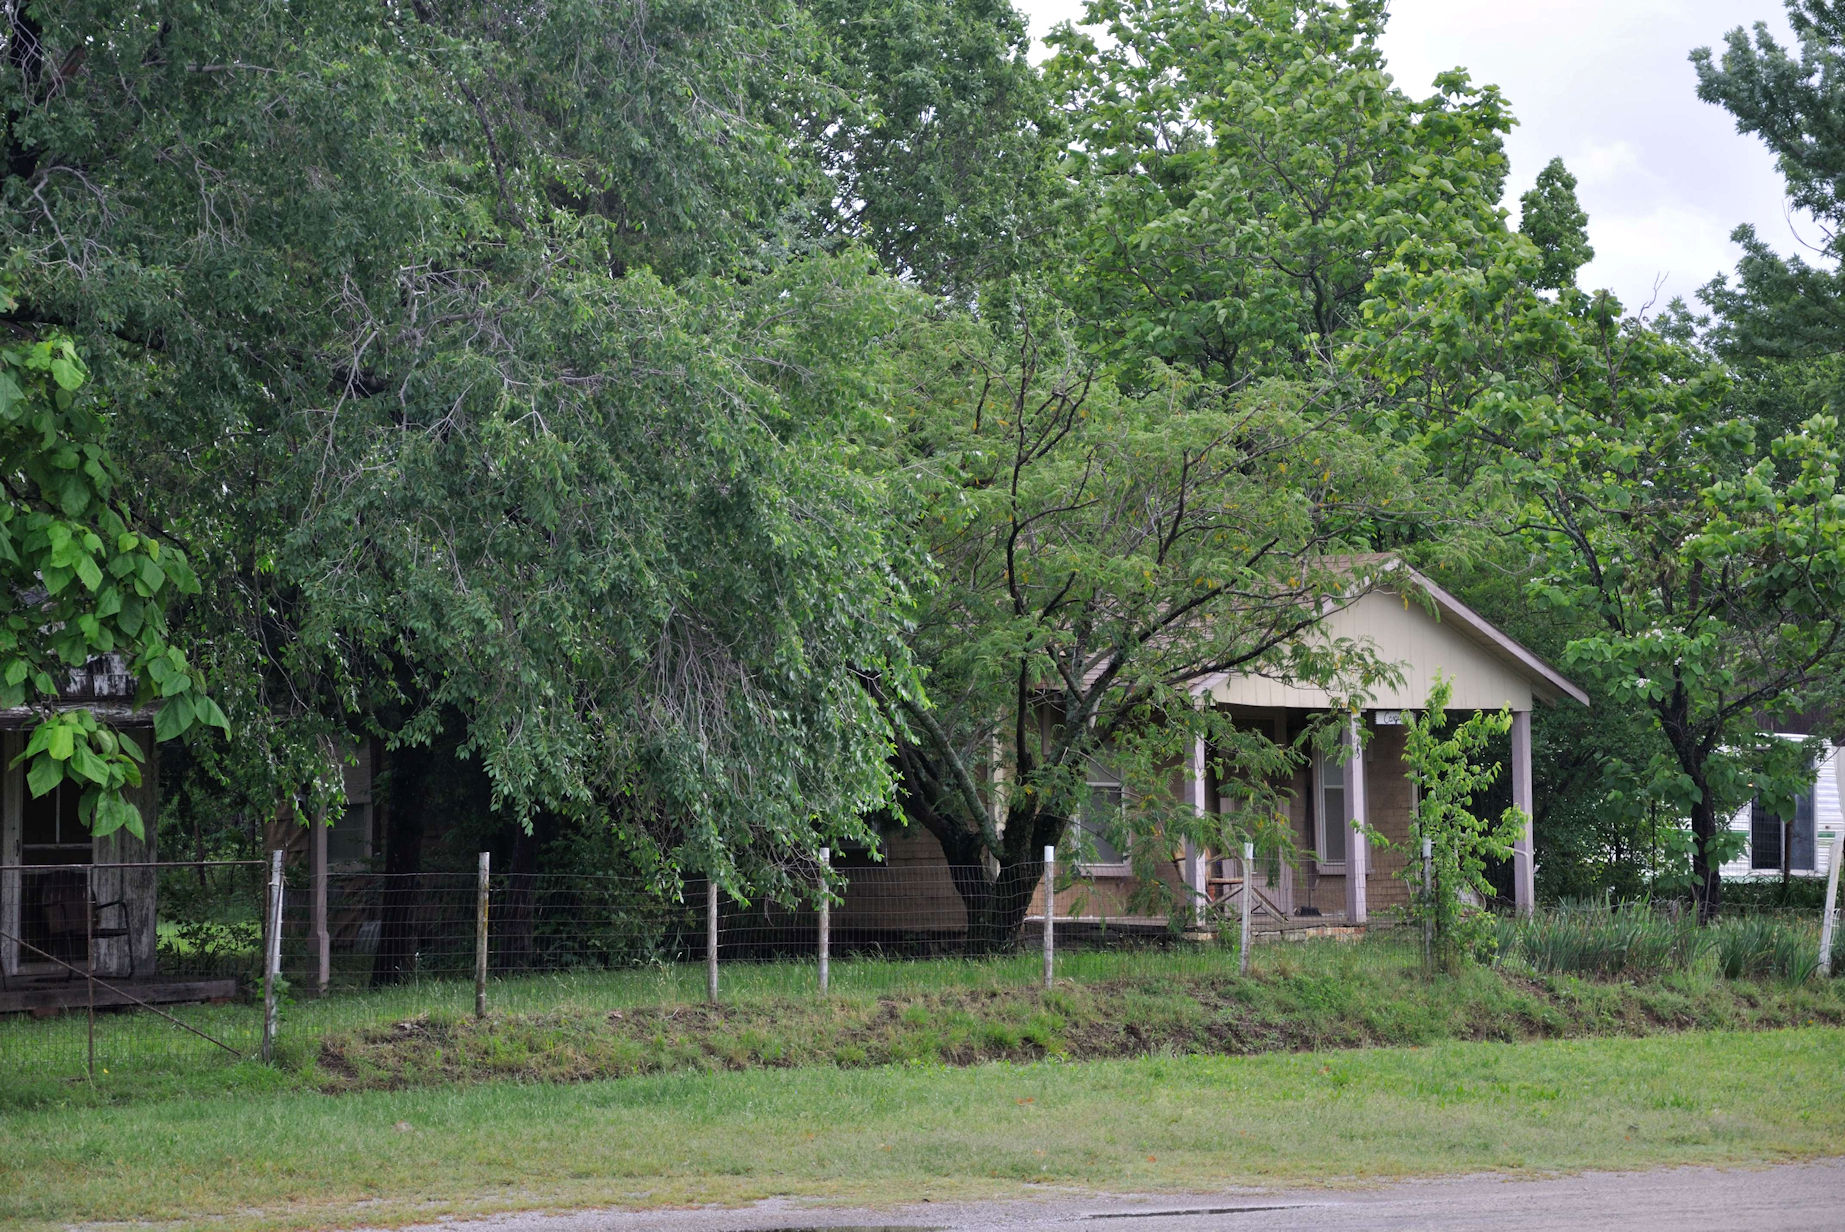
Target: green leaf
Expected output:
[44,775]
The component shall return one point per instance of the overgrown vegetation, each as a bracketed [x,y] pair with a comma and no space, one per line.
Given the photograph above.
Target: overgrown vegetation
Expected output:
[1637,942]
[1588,973]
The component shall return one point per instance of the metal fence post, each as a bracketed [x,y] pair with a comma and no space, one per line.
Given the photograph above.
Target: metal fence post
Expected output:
[1050,915]
[1428,903]
[711,939]
[272,956]
[480,939]
[826,919]
[1832,903]
[1249,881]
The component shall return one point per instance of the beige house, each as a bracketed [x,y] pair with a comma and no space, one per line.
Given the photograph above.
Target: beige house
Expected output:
[1336,879]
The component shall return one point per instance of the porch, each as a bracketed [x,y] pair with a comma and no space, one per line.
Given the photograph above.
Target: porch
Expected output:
[44,993]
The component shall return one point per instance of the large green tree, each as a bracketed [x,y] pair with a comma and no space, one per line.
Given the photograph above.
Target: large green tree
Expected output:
[1707,554]
[1100,556]
[452,342]
[1245,166]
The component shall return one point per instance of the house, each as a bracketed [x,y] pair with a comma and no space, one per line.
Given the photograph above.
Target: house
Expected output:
[1800,845]
[1338,880]
[51,866]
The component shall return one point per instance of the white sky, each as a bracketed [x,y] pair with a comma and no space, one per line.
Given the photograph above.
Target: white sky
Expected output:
[1607,85]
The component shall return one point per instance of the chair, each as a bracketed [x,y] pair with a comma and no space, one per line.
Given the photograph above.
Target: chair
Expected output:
[69,930]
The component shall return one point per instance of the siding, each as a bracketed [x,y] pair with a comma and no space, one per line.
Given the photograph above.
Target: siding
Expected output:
[1828,820]
[1401,631]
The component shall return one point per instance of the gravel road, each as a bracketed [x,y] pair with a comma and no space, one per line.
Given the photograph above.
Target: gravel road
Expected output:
[1789,1198]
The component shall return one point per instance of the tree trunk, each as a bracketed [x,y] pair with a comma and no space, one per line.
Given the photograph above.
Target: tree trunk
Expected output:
[1707,875]
[997,902]
[405,815]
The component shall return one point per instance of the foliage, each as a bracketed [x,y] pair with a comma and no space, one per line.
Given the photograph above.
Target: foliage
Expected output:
[1791,98]
[1245,167]
[1710,557]
[475,400]
[1554,221]
[1103,557]
[1637,941]
[1445,767]
[88,586]
[942,157]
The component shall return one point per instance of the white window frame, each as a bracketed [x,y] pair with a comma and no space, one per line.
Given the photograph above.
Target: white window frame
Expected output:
[1099,868]
[1320,817]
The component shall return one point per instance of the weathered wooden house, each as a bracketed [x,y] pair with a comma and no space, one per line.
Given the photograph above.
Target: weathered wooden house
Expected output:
[71,902]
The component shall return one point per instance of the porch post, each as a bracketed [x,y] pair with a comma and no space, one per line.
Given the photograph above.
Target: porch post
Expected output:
[1357,856]
[1524,870]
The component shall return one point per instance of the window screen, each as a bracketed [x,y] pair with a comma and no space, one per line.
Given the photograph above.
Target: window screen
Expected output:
[1335,822]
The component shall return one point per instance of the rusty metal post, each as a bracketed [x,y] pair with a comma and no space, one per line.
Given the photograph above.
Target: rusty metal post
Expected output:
[480,940]
[826,919]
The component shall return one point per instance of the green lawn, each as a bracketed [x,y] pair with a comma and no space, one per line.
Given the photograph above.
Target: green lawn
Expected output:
[295,1159]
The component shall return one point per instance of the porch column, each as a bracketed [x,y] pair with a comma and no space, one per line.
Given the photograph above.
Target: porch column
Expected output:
[1524,869]
[1194,855]
[1357,856]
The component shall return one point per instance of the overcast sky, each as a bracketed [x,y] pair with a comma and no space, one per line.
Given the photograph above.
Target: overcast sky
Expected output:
[1607,85]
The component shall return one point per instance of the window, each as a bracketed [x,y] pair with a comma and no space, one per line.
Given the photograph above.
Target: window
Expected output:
[1334,823]
[1101,812]
[1768,830]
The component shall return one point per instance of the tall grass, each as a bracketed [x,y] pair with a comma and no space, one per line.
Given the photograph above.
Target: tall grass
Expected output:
[1638,941]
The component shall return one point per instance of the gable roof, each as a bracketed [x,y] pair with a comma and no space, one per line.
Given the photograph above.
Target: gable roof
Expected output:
[1487,667]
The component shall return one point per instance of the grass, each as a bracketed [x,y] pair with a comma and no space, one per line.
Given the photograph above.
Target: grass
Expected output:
[298,1159]
[652,1021]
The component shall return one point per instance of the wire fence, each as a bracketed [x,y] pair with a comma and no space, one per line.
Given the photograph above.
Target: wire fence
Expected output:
[169,969]
[105,967]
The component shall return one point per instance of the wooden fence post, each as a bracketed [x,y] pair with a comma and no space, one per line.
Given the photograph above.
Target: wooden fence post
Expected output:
[89,956]
[1050,915]
[272,956]
[826,919]
[711,939]
[480,938]
[317,887]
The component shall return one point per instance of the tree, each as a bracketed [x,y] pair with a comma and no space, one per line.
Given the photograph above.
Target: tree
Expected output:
[1100,556]
[1244,166]
[941,152]
[1555,222]
[1783,307]
[85,582]
[450,341]
[1710,555]
[1445,766]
